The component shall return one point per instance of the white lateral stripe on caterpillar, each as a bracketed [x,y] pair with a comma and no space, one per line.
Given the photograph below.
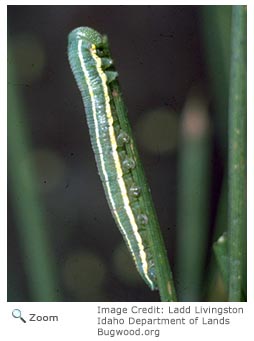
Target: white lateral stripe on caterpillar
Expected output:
[116,158]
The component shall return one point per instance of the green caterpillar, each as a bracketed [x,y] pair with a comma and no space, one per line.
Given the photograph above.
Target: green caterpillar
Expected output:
[113,146]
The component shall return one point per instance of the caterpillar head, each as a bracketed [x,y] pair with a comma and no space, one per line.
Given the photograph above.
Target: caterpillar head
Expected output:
[89,35]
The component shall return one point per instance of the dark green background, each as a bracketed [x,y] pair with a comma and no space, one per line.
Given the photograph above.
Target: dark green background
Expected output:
[160,52]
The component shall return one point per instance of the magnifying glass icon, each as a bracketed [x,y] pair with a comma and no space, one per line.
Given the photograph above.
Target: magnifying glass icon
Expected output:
[16,313]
